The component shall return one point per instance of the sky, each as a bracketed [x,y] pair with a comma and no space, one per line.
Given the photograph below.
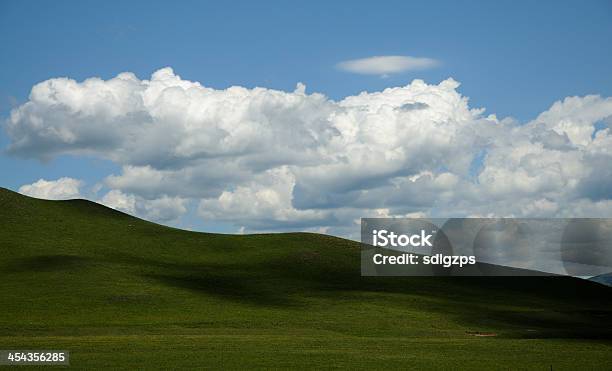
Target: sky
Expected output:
[168,141]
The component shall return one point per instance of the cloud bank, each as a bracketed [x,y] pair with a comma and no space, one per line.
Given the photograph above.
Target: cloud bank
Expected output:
[386,65]
[61,189]
[265,159]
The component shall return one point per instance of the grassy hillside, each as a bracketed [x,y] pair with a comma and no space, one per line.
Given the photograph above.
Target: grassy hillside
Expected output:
[128,294]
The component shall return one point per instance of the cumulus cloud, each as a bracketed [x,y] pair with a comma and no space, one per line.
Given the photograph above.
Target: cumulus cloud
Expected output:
[163,209]
[264,203]
[265,159]
[386,65]
[120,201]
[60,189]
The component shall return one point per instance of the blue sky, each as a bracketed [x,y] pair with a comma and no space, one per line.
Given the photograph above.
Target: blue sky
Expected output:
[512,58]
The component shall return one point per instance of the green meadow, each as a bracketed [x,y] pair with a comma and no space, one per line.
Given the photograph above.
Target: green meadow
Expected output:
[122,293]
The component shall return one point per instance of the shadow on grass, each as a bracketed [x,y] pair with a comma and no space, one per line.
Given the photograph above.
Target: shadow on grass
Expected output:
[556,307]
[48,263]
[241,283]
[227,287]
[565,324]
[559,307]
[533,307]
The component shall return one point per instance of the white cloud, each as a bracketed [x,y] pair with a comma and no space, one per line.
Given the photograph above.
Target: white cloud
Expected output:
[263,203]
[163,209]
[120,201]
[387,64]
[575,116]
[60,189]
[267,159]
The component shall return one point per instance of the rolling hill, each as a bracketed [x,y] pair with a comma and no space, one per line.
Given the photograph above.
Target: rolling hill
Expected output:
[122,293]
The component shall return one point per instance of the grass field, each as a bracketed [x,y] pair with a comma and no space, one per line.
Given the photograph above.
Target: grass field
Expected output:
[122,293]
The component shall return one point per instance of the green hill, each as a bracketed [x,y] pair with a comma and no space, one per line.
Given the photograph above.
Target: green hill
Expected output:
[124,293]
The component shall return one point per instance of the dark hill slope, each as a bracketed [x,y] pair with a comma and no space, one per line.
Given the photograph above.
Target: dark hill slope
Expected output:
[79,276]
